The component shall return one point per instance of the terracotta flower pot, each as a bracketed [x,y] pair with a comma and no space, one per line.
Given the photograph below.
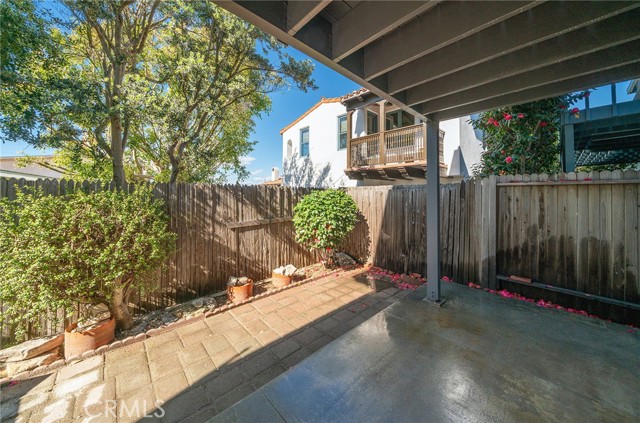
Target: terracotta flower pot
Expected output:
[240,293]
[76,343]
[279,280]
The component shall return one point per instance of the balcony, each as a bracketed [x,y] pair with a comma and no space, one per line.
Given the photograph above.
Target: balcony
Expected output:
[394,154]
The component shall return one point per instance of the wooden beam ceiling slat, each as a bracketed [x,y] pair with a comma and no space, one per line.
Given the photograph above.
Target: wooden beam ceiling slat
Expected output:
[603,35]
[539,24]
[381,17]
[619,74]
[299,13]
[580,66]
[442,25]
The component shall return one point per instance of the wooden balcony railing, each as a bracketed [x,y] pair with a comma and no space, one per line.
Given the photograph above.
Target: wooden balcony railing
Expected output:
[400,145]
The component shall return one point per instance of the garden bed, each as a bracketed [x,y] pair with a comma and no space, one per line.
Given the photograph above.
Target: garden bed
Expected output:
[209,303]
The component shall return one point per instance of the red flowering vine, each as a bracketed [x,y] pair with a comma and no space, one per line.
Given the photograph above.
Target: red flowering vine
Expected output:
[529,144]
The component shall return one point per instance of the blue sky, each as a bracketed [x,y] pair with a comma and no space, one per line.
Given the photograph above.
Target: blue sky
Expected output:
[286,107]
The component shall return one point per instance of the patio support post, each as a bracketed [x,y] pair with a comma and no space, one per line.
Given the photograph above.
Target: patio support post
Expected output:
[568,150]
[432,259]
[349,136]
[383,127]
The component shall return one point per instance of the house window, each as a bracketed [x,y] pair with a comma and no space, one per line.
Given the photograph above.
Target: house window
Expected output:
[372,123]
[399,119]
[342,132]
[304,142]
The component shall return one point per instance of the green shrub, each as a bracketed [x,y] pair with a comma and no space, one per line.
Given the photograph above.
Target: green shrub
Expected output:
[323,219]
[84,247]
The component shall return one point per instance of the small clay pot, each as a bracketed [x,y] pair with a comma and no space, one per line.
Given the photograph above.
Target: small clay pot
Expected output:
[76,343]
[240,293]
[279,280]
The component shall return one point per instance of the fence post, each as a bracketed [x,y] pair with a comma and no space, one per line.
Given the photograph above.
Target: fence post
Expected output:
[488,245]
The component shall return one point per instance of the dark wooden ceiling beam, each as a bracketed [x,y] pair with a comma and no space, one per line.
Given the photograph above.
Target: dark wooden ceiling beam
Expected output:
[610,33]
[299,13]
[541,23]
[369,21]
[623,73]
[581,66]
[442,25]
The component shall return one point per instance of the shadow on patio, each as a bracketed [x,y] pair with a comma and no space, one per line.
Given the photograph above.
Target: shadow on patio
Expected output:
[479,358]
[197,370]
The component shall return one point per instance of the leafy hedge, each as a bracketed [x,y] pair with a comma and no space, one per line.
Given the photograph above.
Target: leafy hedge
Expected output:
[323,219]
[56,251]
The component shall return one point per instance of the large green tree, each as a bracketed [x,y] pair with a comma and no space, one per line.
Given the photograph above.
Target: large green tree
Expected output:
[147,89]
[213,73]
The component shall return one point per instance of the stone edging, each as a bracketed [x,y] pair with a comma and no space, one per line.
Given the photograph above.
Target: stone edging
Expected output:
[41,370]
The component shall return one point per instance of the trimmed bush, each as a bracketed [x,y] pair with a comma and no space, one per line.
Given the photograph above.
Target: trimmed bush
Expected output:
[98,247]
[323,219]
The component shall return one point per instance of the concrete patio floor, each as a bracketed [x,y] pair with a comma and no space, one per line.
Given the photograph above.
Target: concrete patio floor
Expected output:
[200,369]
[478,358]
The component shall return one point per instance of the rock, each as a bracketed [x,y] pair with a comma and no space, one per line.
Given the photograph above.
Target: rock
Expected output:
[14,368]
[30,349]
[343,259]
[197,303]
[289,270]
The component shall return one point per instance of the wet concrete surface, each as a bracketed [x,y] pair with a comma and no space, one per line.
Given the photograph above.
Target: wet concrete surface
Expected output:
[477,358]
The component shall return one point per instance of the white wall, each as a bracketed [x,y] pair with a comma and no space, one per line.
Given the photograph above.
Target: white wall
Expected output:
[459,134]
[324,167]
[451,130]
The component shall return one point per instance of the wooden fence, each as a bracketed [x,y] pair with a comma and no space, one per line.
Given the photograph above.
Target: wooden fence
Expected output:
[574,231]
[571,231]
[222,230]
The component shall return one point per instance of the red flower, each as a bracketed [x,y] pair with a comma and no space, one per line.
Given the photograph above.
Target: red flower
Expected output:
[507,116]
[509,159]
[575,110]
[543,124]
[496,123]
[490,120]
[520,115]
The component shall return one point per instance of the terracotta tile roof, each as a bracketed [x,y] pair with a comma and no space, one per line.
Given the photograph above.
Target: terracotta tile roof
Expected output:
[354,94]
[315,106]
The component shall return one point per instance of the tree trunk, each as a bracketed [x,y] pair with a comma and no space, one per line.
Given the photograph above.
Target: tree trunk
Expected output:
[175,170]
[174,161]
[119,310]
[117,153]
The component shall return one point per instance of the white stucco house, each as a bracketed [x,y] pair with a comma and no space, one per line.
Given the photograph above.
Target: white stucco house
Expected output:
[342,142]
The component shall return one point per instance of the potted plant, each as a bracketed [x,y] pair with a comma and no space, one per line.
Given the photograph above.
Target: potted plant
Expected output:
[281,276]
[323,219]
[239,289]
[88,248]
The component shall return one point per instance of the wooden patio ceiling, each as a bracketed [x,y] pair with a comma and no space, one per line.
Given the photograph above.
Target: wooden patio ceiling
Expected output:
[444,59]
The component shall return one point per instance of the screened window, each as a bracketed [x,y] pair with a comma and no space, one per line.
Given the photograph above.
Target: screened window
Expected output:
[342,132]
[304,142]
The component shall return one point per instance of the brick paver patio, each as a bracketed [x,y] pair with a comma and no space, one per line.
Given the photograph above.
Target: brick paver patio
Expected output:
[202,368]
